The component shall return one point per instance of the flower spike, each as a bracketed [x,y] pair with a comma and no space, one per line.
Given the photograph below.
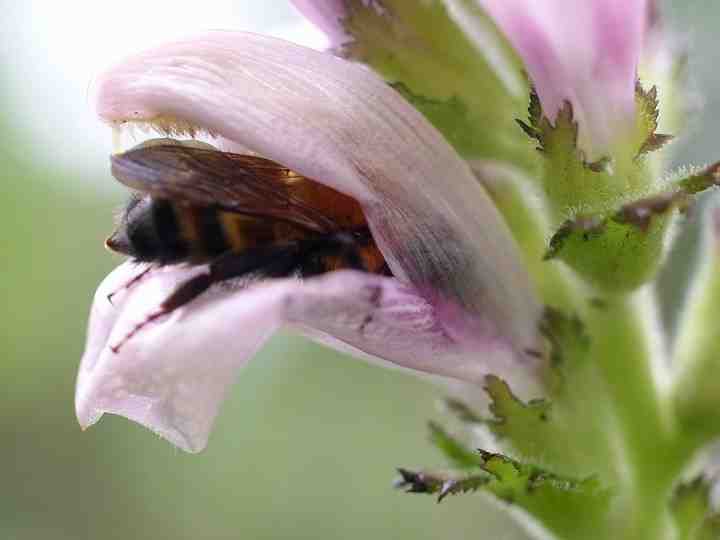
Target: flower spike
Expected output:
[460,304]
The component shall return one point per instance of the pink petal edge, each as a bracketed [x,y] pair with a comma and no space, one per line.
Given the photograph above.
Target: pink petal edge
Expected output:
[173,376]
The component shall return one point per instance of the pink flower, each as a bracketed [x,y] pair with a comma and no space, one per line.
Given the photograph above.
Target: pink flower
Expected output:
[459,304]
[585,52]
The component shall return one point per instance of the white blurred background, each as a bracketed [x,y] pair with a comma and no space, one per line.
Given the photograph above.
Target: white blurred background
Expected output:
[52,51]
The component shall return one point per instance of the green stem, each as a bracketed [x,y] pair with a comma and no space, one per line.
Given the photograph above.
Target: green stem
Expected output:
[625,349]
[621,376]
[612,407]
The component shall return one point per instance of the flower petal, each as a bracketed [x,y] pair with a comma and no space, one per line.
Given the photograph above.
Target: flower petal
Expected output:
[340,124]
[584,52]
[173,375]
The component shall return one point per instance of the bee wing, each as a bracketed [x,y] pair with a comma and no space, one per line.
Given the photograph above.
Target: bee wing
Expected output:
[237,183]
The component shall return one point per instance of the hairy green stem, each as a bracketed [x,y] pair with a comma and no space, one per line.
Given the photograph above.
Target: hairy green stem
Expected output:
[624,350]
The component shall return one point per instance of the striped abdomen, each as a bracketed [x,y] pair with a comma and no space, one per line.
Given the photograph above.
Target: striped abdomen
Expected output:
[169,232]
[199,234]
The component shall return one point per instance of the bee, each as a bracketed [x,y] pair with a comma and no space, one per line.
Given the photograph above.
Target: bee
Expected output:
[241,215]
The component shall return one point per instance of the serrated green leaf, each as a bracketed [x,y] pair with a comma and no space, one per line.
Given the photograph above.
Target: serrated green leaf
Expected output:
[617,250]
[570,180]
[654,142]
[442,484]
[459,486]
[561,137]
[577,184]
[519,422]
[518,478]
[556,432]
[528,429]
[620,249]
[617,257]
[581,227]
[559,140]
[648,111]
[534,109]
[564,505]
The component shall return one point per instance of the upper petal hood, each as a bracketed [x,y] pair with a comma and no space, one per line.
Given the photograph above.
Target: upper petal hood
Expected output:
[342,125]
[585,52]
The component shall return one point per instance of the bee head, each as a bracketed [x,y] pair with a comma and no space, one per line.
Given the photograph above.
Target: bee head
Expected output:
[135,233]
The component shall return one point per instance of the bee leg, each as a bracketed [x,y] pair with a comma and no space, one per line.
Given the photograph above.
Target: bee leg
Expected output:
[276,261]
[184,294]
[227,266]
[341,244]
[130,283]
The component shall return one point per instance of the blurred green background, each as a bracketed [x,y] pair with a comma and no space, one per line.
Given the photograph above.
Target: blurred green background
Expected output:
[307,442]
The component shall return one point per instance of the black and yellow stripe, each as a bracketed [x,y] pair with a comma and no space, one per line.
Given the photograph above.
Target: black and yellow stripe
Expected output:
[202,233]
[168,232]
[171,243]
[194,230]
